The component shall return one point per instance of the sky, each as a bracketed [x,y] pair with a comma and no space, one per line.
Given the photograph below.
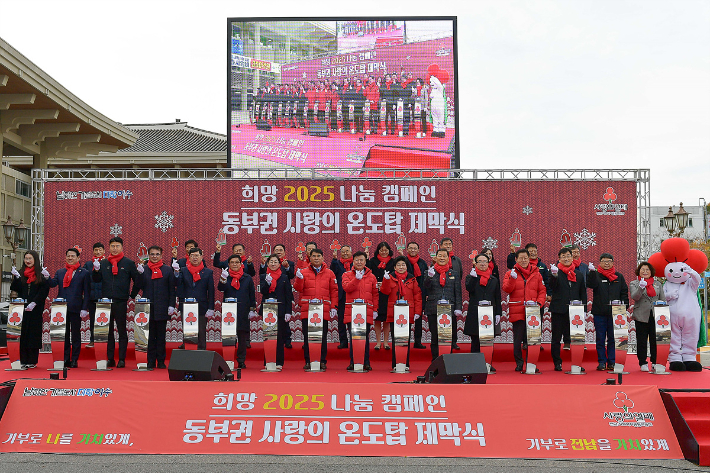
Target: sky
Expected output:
[565,84]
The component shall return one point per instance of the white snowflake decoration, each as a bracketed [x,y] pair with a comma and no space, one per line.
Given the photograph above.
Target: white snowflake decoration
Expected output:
[527,210]
[116,230]
[490,243]
[585,239]
[164,221]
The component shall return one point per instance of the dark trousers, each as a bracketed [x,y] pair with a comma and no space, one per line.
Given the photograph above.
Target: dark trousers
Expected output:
[324,342]
[407,118]
[475,336]
[418,330]
[284,331]
[28,355]
[604,327]
[321,116]
[374,120]
[559,321]
[72,337]
[391,117]
[310,115]
[242,337]
[342,328]
[156,341]
[423,116]
[394,349]
[333,120]
[201,326]
[119,309]
[519,334]
[92,314]
[359,121]
[645,332]
[367,344]
[434,331]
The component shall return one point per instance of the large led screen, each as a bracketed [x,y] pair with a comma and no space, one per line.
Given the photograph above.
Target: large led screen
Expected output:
[342,93]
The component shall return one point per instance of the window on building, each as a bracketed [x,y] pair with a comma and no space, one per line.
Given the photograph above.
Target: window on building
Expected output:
[22,188]
[690,222]
[663,222]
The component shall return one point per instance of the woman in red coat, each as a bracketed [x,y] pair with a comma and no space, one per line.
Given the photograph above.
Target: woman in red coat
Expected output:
[523,283]
[401,285]
[360,283]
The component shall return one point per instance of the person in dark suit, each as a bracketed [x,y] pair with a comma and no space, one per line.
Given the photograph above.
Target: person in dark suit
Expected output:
[189,244]
[158,286]
[378,264]
[239,250]
[234,282]
[482,285]
[31,285]
[98,251]
[116,273]
[340,266]
[456,264]
[75,286]
[275,284]
[196,281]
[418,268]
[441,282]
[290,268]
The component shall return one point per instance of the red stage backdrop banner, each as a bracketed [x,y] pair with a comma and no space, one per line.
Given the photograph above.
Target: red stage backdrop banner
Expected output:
[599,216]
[330,419]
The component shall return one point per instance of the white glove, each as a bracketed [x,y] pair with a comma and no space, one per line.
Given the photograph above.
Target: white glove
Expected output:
[45,273]
[497,319]
[175,265]
[333,314]
[513,274]
[171,311]
[225,274]
[474,274]
[268,278]
[83,314]
[359,274]
[254,315]
[209,313]
[458,313]
[299,275]
[643,283]
[14,272]
[669,296]
[416,316]
[387,275]
[97,265]
[554,269]
[32,305]
[140,268]
[431,272]
[287,317]
[374,315]
[591,266]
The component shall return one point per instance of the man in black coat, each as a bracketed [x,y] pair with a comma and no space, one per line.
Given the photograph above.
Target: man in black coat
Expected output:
[456,264]
[116,273]
[482,286]
[244,292]
[418,267]
[196,281]
[98,255]
[157,285]
[566,284]
[450,291]
[289,267]
[340,267]
[75,286]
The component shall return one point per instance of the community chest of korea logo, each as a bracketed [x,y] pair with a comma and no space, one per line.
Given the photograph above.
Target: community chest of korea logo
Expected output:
[624,416]
[610,207]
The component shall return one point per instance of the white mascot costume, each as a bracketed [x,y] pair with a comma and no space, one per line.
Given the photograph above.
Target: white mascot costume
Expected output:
[681,266]
[437,79]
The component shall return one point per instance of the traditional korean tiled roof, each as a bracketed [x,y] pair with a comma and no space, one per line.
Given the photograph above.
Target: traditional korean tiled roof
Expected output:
[175,137]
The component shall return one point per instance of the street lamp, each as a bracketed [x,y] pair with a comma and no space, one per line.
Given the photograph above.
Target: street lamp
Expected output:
[676,222]
[22,233]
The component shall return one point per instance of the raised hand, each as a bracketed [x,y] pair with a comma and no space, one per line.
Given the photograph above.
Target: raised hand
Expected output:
[554,269]
[209,313]
[140,268]
[431,272]
[473,273]
[224,275]
[45,273]
[387,275]
[299,274]
[268,278]
[592,267]
[513,274]
[14,272]
[97,265]
[176,266]
[643,284]
[32,305]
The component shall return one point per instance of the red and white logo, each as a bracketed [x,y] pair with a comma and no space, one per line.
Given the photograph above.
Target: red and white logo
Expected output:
[610,208]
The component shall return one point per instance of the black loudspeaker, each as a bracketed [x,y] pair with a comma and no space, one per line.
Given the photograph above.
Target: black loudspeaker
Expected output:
[197,365]
[458,368]
[318,129]
[263,125]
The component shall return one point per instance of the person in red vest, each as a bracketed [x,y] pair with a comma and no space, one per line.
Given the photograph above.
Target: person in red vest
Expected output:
[360,283]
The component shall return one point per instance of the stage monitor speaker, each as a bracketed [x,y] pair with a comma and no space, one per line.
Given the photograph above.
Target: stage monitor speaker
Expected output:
[318,129]
[263,125]
[197,365]
[458,368]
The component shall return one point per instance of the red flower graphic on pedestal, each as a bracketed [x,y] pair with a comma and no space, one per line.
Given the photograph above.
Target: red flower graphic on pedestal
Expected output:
[191,319]
[485,321]
[315,319]
[619,320]
[102,319]
[577,320]
[141,318]
[444,320]
[15,318]
[401,320]
[533,322]
[663,321]
[610,196]
[269,318]
[358,319]
[228,318]
[58,318]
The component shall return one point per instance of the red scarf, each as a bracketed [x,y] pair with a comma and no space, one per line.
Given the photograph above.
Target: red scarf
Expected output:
[534,261]
[415,264]
[526,272]
[114,262]
[156,273]
[484,275]
[30,274]
[419,91]
[70,272]
[610,274]
[347,263]
[650,290]
[236,276]
[400,277]
[451,255]
[569,271]
[383,261]
[492,265]
[195,270]
[442,272]
[275,275]
[244,259]
[577,262]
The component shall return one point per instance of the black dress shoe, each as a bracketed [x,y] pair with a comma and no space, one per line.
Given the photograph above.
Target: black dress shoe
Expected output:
[248,343]
[307,366]
[110,364]
[610,366]
[242,365]
[419,345]
[367,368]
[493,370]
[161,365]
[455,346]
[121,364]
[74,364]
[601,367]
[351,367]
[558,366]
[525,345]
[181,346]
[288,345]
[519,367]
[343,345]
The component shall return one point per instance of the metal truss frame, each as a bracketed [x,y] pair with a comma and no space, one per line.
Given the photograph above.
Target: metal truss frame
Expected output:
[642,177]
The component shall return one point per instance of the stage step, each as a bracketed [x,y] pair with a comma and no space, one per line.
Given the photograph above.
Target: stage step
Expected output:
[689,412]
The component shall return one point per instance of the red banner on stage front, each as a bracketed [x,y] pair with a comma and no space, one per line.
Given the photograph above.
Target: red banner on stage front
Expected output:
[425,420]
